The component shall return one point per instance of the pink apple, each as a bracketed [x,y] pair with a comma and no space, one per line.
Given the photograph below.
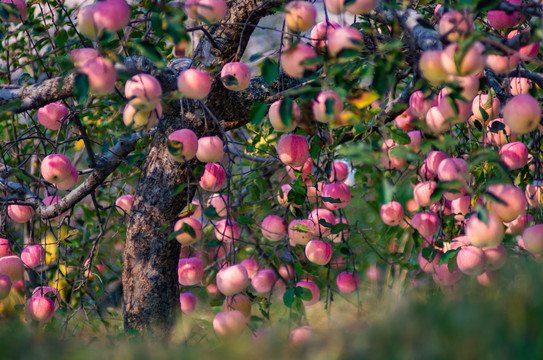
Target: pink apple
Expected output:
[5,286]
[471,63]
[182,145]
[210,11]
[71,181]
[405,120]
[188,302]
[251,265]
[41,291]
[337,191]
[124,204]
[40,309]
[210,149]
[390,161]
[33,256]
[486,278]
[461,207]
[304,171]
[443,277]
[20,213]
[483,234]
[321,32]
[21,7]
[85,22]
[534,195]
[238,302]
[471,260]
[429,266]
[273,228]
[300,16]
[52,114]
[454,24]
[220,203]
[501,137]
[431,67]
[527,52]
[427,224]
[339,171]
[316,216]
[496,257]
[101,74]
[232,279]
[512,196]
[301,236]
[263,281]
[361,7]
[433,160]
[112,15]
[423,192]
[236,76]
[194,84]
[293,150]
[293,58]
[347,282]
[229,323]
[468,84]
[532,236]
[56,168]
[314,291]
[4,248]
[419,104]
[491,107]
[143,91]
[186,238]
[326,106]
[519,85]
[522,113]
[344,38]
[517,226]
[302,334]
[502,64]
[392,213]
[514,155]
[213,178]
[500,19]
[227,230]
[453,169]
[141,119]
[81,56]
[343,235]
[277,122]
[12,266]
[318,252]
[190,271]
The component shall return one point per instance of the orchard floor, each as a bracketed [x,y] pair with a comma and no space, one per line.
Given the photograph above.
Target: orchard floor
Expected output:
[504,321]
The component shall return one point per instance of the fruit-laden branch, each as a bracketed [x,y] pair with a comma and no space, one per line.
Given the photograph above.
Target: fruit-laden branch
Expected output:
[105,165]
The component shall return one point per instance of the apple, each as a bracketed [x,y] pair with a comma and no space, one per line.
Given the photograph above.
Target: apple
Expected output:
[85,22]
[286,271]
[5,286]
[20,213]
[229,323]
[338,171]
[361,7]
[517,226]
[124,204]
[519,85]
[527,52]
[490,106]
[499,137]
[461,207]
[486,278]
[512,196]
[213,178]
[251,265]
[41,291]
[263,281]
[316,216]
[469,85]
[273,228]
[454,24]
[533,239]
[338,192]
[304,171]
[40,309]
[143,91]
[21,7]
[210,11]
[303,234]
[282,196]
[71,181]
[496,257]
[429,266]
[405,120]
[343,235]
[4,248]
[33,256]
[182,145]
[436,120]
[186,238]
[318,252]
[500,19]
[240,302]
[141,119]
[344,38]
[454,169]
[220,203]
[293,57]
[347,282]
[326,106]
[471,260]
[274,115]
[302,334]
[471,63]
[431,67]
[427,224]
[101,74]
[423,192]
[12,266]
[443,277]
[190,271]
[308,284]
[51,115]
[187,302]
[293,150]
[236,76]
[232,279]
[419,104]
[210,149]
[300,16]
[502,64]
[483,234]
[112,15]
[321,32]
[390,161]
[514,155]
[80,56]
[373,273]
[392,213]
[533,195]
[457,114]
[56,168]
[433,160]
[522,114]
[194,84]
[227,230]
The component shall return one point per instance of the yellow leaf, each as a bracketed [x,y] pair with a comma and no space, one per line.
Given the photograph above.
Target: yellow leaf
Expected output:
[363,98]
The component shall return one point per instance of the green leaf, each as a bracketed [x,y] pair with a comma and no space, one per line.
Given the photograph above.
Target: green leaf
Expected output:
[210,212]
[285,111]
[339,228]
[325,223]
[330,200]
[303,293]
[269,70]
[81,90]
[149,50]
[300,228]
[288,297]
[399,136]
[187,229]
[257,112]
[429,253]
[245,220]
[229,80]
[175,148]
[451,254]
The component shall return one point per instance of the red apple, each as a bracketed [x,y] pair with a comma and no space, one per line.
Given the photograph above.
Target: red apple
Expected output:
[512,196]
[41,291]
[314,291]
[392,213]
[337,191]
[111,15]
[40,309]
[33,256]
[347,282]
[4,248]
[304,171]
[232,279]
[210,149]
[293,150]
[190,271]
[277,122]
[316,216]
[101,74]
[188,302]
[143,91]
[419,104]
[20,213]
[220,203]
[213,178]
[251,265]
[236,76]
[56,168]
[227,230]
[12,266]
[502,64]
[210,11]
[301,236]
[500,19]
[514,155]
[318,252]
[51,115]
[186,238]
[71,181]
[263,281]
[405,120]
[124,204]
[300,16]
[5,286]
[321,32]
[194,84]
[292,59]
[326,106]
[182,145]
[427,224]
[471,260]
[344,38]
[483,234]
[522,113]
[273,228]
[423,192]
